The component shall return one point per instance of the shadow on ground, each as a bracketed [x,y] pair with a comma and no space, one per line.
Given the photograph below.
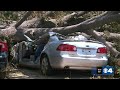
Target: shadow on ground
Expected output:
[31,73]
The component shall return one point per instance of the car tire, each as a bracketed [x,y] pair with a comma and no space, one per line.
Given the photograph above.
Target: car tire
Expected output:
[45,67]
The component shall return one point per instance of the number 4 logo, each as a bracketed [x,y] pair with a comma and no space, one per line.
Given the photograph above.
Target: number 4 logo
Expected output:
[108,70]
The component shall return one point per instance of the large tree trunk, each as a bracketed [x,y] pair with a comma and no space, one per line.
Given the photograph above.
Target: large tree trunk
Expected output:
[2,26]
[11,30]
[29,23]
[36,22]
[98,21]
[109,36]
[65,21]
[101,39]
[89,24]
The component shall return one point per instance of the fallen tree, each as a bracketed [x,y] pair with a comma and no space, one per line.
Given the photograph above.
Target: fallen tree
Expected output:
[67,20]
[109,36]
[101,39]
[81,27]
[72,19]
[23,19]
[98,21]
[36,22]
[12,29]
[85,26]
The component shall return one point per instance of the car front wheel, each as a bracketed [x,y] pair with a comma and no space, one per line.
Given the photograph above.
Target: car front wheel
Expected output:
[45,66]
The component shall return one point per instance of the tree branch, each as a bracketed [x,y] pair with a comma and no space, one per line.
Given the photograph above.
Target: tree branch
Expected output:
[28,13]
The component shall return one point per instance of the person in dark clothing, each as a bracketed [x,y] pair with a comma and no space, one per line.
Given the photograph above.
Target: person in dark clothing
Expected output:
[39,50]
[41,43]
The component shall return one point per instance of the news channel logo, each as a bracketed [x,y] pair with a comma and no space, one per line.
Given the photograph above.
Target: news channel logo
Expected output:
[106,70]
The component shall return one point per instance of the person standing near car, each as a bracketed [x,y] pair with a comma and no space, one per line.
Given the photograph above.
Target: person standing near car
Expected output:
[41,43]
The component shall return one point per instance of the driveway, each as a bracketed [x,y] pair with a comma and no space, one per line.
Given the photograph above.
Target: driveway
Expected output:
[30,73]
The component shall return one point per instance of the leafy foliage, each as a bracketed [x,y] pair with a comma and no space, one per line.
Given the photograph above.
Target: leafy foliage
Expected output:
[113,27]
[7,17]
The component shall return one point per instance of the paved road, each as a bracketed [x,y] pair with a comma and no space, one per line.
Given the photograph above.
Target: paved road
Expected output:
[29,73]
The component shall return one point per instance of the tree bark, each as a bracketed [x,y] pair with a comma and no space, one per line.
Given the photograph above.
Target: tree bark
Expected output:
[109,36]
[101,39]
[29,23]
[97,21]
[89,24]
[72,19]
[35,22]
[28,13]
[12,31]
[3,26]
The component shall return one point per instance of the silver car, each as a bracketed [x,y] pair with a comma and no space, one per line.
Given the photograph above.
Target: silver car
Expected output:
[71,52]
[75,52]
